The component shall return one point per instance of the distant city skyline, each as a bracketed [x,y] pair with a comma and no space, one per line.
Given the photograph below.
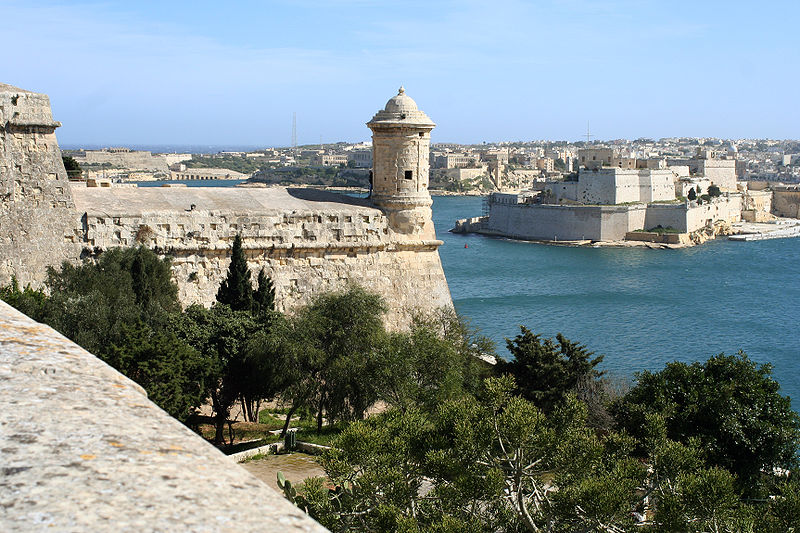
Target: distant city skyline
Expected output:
[203,73]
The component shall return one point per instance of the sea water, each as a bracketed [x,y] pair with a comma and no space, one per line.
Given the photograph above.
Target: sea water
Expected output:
[640,308]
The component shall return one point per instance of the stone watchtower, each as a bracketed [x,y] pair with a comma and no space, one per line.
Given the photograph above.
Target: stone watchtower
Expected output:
[401,136]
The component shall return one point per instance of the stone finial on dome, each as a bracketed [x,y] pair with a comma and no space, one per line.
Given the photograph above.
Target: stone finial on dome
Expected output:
[401,90]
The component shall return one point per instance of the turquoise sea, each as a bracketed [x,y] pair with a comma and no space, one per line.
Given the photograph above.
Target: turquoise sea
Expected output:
[641,308]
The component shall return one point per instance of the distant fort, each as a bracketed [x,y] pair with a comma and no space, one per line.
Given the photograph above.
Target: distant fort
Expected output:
[615,198]
[308,241]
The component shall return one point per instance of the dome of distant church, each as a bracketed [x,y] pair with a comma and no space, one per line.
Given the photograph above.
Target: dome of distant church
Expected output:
[402,103]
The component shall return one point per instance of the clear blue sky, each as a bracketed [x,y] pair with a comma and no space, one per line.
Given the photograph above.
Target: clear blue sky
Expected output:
[150,72]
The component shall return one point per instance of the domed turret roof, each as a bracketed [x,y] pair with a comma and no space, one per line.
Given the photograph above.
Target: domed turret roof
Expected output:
[401,110]
[401,103]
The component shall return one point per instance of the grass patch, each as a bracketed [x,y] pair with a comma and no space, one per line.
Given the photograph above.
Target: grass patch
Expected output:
[307,432]
[277,410]
[677,200]
[256,457]
[266,417]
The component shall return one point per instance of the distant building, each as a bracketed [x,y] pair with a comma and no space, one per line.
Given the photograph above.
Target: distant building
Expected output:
[612,186]
[207,174]
[361,158]
[455,160]
[545,163]
[600,157]
[329,160]
[718,167]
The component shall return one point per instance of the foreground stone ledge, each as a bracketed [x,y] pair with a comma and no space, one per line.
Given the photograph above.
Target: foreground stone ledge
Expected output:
[83,449]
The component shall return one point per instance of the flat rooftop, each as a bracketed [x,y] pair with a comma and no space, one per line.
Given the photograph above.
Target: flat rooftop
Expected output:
[133,201]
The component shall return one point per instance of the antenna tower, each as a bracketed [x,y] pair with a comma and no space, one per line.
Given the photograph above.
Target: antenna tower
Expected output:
[589,135]
[294,133]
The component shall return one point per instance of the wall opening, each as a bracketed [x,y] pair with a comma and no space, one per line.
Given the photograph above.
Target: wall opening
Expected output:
[409,174]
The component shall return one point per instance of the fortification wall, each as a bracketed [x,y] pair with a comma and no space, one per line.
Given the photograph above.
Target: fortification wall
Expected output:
[134,160]
[689,218]
[786,201]
[656,185]
[564,223]
[600,186]
[37,216]
[85,450]
[308,242]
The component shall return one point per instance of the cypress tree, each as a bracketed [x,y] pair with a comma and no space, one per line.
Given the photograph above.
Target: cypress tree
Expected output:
[236,290]
[692,195]
[264,295]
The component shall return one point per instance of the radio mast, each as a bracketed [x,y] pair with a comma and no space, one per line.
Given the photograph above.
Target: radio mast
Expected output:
[589,135]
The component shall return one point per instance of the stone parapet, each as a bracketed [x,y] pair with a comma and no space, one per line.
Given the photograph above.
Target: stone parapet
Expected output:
[307,241]
[85,450]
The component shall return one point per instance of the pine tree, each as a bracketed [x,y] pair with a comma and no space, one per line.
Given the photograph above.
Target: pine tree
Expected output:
[264,295]
[236,290]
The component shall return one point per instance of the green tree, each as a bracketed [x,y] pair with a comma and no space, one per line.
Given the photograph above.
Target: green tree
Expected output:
[263,372]
[692,195]
[331,347]
[264,295]
[713,191]
[489,465]
[546,371]
[730,405]
[236,290]
[220,335]
[29,301]
[72,167]
[173,374]
[433,362]
[90,303]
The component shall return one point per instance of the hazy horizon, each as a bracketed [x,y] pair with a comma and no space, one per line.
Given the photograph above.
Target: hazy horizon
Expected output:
[203,73]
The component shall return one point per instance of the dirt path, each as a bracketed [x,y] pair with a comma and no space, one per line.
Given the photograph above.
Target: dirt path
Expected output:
[296,467]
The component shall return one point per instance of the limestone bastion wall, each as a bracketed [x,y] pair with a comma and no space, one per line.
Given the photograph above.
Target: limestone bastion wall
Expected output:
[37,217]
[313,243]
[786,201]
